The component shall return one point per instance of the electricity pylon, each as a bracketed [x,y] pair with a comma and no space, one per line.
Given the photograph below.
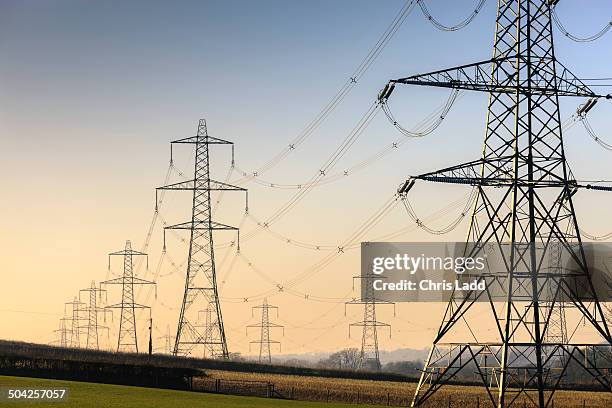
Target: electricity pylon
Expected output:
[64,332]
[557,330]
[128,334]
[94,294]
[208,328]
[167,341]
[201,277]
[77,308]
[524,159]
[264,327]
[369,357]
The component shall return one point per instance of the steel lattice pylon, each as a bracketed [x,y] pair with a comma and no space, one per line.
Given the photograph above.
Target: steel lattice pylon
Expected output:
[369,357]
[201,277]
[531,206]
[208,329]
[63,331]
[265,355]
[94,293]
[128,334]
[557,324]
[167,338]
[77,308]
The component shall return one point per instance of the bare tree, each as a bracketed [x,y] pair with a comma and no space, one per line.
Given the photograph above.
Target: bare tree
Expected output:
[347,359]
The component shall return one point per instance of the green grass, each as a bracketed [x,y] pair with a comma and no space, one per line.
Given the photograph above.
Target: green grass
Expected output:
[85,395]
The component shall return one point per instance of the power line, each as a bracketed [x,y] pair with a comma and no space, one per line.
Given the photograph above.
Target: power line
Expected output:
[335,101]
[465,22]
[425,127]
[576,38]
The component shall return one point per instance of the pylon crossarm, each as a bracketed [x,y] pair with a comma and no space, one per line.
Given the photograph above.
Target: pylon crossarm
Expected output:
[121,280]
[372,323]
[115,281]
[138,281]
[123,252]
[202,225]
[191,185]
[265,307]
[369,301]
[485,76]
[201,139]
[120,306]
[470,174]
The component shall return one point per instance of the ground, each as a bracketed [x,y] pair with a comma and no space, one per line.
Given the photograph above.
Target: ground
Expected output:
[400,393]
[86,395]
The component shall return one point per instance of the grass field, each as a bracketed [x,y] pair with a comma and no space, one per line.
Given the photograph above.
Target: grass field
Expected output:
[399,393]
[86,395]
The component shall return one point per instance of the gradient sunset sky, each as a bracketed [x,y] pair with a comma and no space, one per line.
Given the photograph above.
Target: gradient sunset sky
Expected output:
[92,92]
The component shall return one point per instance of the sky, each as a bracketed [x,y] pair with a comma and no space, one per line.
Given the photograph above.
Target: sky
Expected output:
[91,94]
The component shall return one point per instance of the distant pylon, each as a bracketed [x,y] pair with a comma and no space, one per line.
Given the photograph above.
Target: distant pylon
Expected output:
[557,330]
[369,357]
[208,329]
[64,332]
[167,341]
[128,337]
[201,276]
[94,293]
[77,308]
[264,341]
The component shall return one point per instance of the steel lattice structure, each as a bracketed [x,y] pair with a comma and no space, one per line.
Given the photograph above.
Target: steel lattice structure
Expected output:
[93,293]
[531,206]
[128,334]
[208,328]
[63,331]
[369,357]
[557,323]
[201,277]
[265,342]
[167,339]
[77,308]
